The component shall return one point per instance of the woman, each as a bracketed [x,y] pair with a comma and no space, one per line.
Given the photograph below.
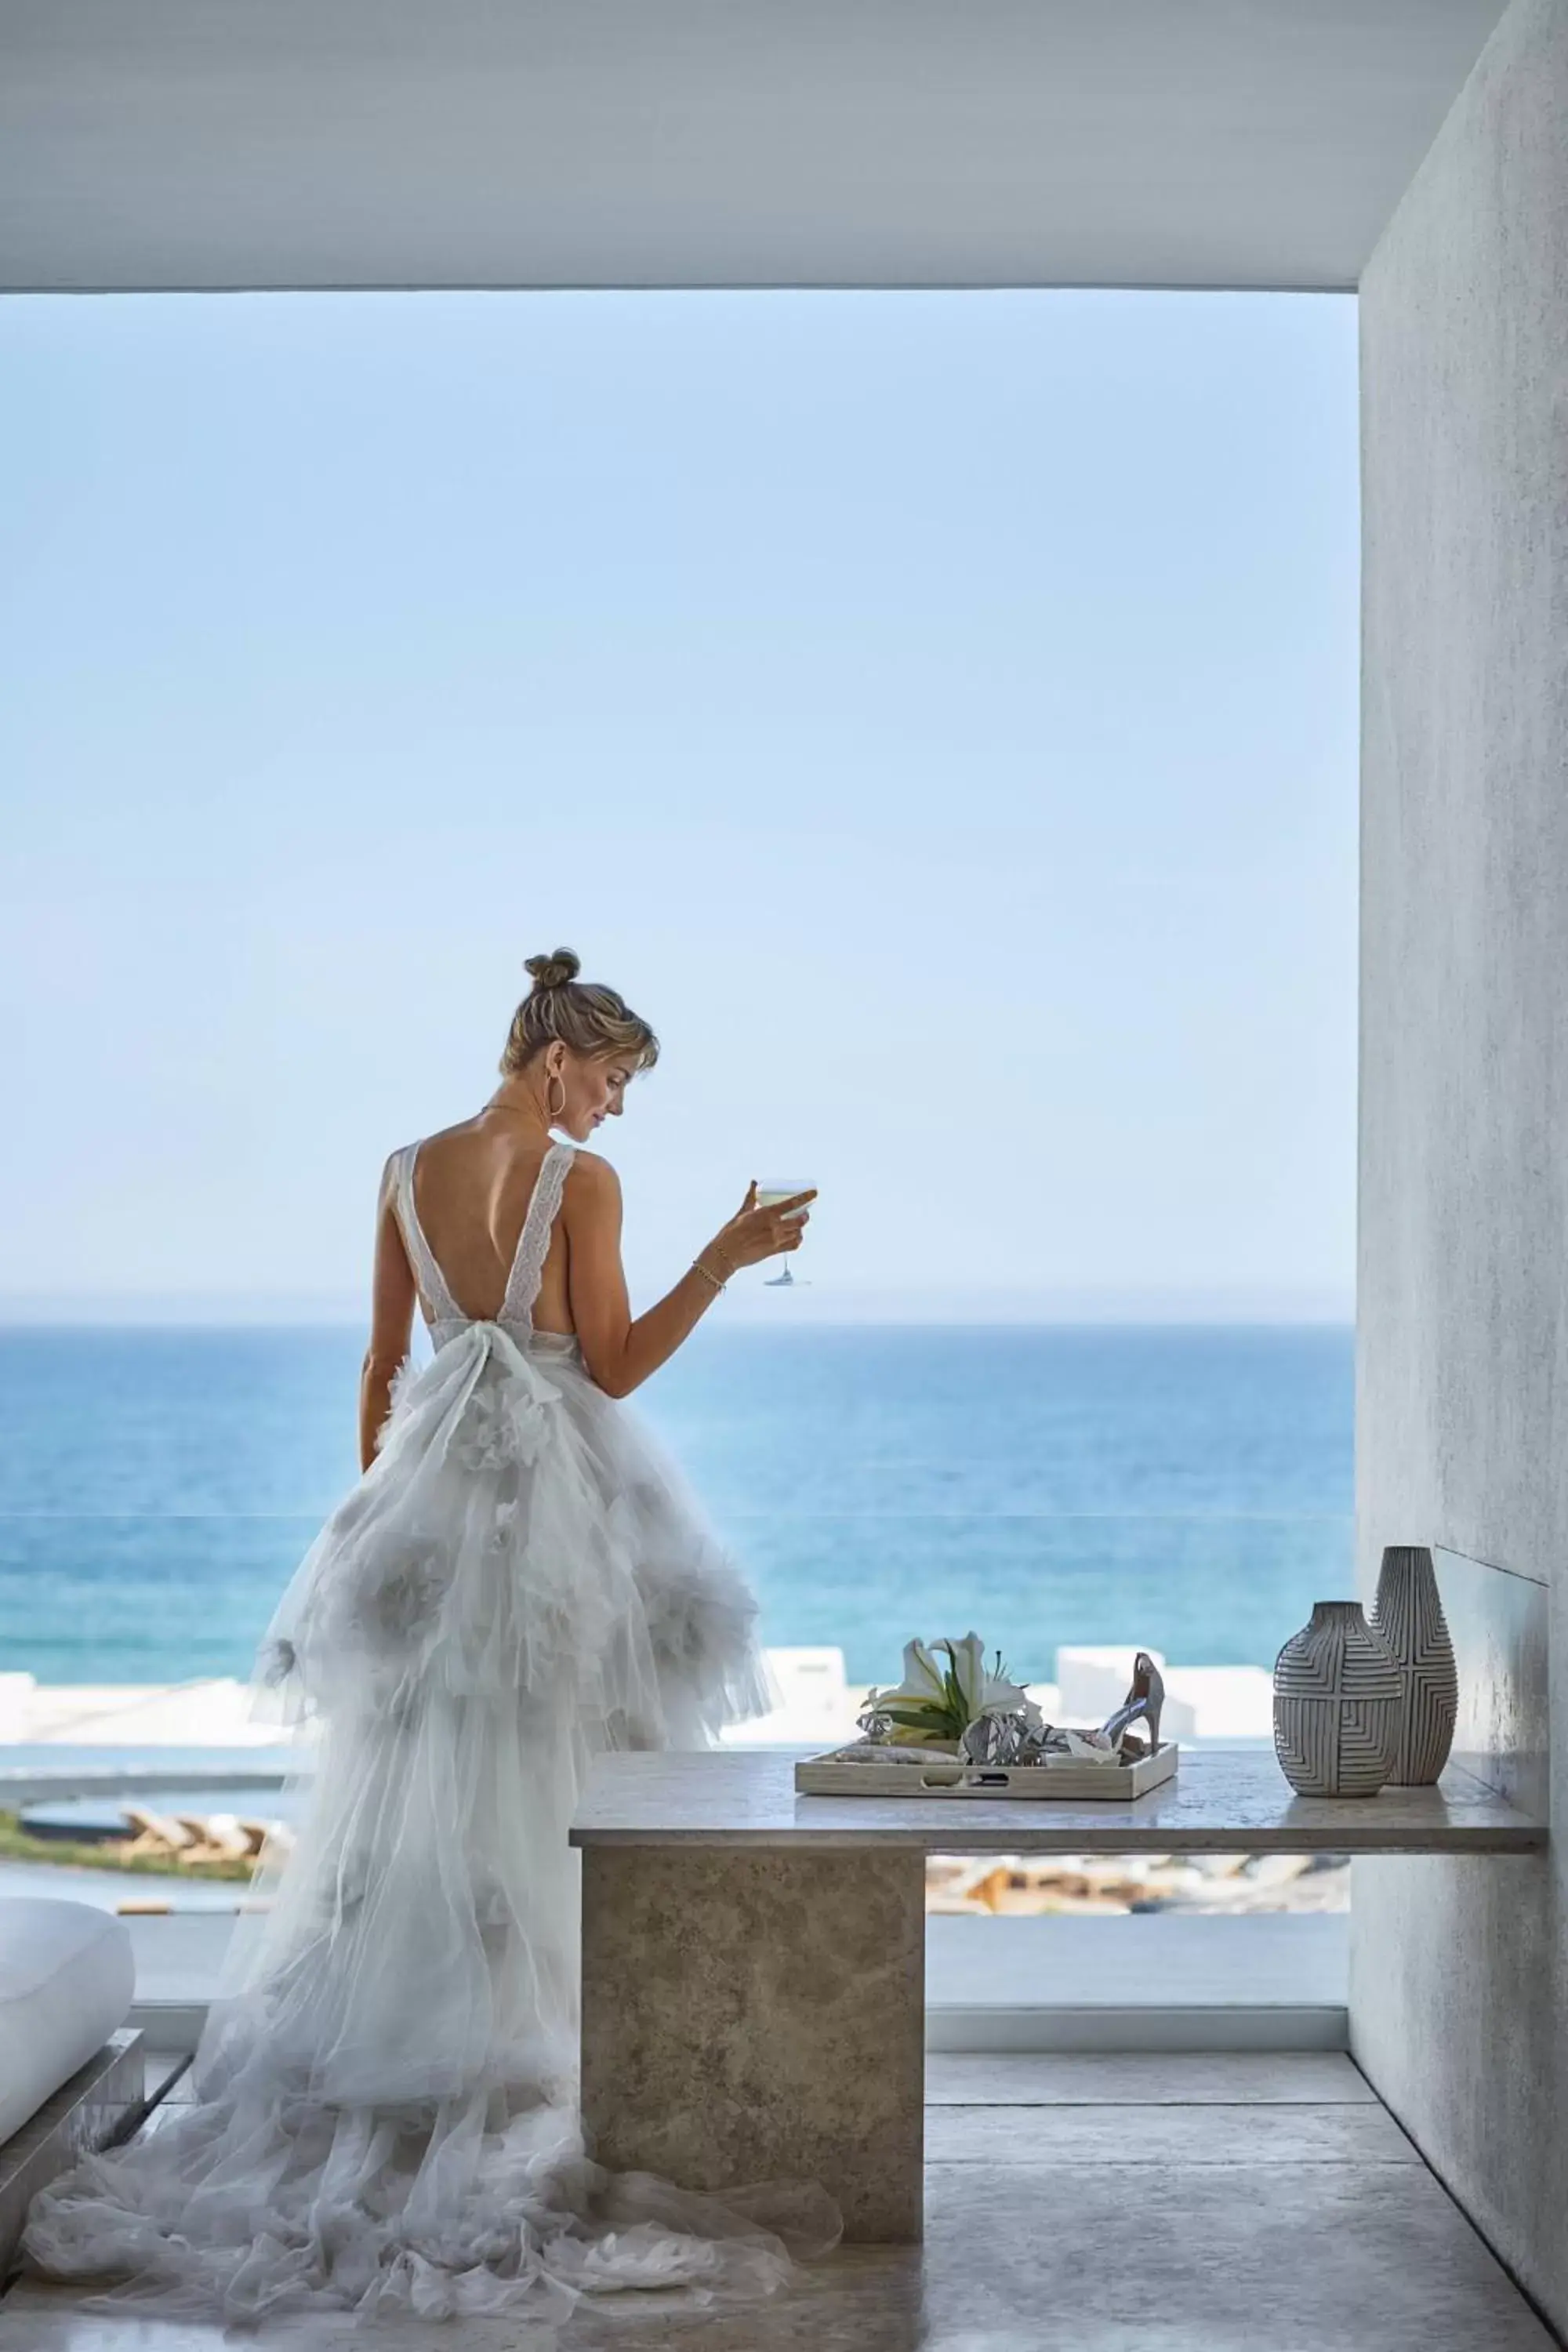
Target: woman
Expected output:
[384,2114]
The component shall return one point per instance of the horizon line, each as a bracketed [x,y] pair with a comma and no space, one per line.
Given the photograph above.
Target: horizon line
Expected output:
[889,1310]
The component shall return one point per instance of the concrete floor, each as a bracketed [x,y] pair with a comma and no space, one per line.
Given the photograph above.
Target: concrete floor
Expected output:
[1129,2203]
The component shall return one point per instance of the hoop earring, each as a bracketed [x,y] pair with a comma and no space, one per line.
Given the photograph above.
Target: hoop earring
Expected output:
[554,1110]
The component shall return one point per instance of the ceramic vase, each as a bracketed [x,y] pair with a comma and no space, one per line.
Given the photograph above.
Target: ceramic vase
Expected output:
[1337,1693]
[1409,1616]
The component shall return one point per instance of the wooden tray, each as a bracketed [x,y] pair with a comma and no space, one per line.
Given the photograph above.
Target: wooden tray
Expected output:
[948,1775]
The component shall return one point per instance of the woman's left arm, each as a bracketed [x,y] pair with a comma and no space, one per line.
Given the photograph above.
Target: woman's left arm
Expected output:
[391,1321]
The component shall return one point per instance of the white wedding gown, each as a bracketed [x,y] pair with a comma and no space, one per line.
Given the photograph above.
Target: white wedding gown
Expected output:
[385,2114]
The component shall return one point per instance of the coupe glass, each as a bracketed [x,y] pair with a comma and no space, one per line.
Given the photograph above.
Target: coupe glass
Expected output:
[768,1194]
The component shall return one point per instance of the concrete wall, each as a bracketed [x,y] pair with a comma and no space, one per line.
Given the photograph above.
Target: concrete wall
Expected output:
[1459,1970]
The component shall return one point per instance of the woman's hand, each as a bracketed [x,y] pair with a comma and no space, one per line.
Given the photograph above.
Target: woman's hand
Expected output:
[753,1233]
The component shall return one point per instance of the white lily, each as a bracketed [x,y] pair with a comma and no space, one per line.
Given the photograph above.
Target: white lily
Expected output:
[946,1685]
[984,1690]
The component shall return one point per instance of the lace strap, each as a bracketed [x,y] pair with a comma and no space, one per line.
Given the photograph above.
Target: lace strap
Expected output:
[431,1283]
[533,1242]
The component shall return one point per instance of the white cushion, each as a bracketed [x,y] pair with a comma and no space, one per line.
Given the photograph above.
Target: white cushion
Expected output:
[67,1982]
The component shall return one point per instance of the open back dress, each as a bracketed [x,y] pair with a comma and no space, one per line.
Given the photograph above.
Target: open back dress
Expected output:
[385,2110]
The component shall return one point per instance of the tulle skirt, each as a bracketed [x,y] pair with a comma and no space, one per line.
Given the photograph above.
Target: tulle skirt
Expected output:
[385,2112]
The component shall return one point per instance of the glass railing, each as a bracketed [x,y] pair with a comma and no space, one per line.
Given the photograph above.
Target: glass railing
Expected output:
[126,1642]
[1202,1588]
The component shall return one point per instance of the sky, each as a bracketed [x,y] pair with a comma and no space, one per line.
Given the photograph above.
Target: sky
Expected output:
[936,713]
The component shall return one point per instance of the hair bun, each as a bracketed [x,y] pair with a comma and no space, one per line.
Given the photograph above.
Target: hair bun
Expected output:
[553,970]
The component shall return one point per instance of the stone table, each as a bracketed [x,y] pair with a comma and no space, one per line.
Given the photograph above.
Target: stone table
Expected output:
[753,1962]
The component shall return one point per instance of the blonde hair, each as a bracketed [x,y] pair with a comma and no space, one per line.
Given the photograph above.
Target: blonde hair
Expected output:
[587,1019]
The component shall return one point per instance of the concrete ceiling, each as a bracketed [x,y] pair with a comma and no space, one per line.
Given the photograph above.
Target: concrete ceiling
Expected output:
[235,143]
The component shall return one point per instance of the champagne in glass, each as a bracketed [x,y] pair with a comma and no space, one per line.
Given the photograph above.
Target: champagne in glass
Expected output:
[770,1193]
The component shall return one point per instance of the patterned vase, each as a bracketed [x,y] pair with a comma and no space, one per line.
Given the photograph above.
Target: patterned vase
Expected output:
[1337,1691]
[1409,1616]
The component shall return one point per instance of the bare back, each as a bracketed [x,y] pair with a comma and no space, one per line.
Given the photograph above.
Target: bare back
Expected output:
[492,1221]
[472,1185]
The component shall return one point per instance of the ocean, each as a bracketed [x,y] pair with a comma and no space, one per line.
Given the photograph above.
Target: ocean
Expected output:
[1189,1489]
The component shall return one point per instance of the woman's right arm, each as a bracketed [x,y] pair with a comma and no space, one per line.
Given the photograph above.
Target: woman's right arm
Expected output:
[619,1353]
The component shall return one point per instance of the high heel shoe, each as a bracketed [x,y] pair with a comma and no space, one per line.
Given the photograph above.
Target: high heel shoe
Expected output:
[1144,1700]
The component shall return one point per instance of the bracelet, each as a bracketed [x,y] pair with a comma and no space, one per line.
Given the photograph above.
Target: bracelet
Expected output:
[713,1279]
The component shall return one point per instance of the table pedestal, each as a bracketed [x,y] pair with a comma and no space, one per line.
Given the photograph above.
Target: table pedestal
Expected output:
[759,2015]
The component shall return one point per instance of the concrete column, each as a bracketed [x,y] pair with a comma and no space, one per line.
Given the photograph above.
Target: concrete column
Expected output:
[1459,1968]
